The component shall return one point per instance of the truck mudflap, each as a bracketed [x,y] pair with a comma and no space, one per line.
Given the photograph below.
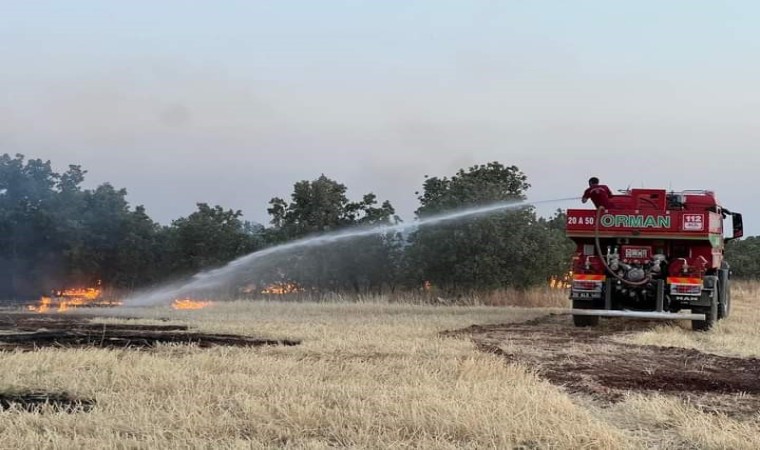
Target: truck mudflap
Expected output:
[637,314]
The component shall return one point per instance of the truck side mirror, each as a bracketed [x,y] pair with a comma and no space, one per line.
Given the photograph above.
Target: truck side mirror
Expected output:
[737,225]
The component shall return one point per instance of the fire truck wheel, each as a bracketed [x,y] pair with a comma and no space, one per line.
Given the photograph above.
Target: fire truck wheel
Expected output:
[711,316]
[725,302]
[584,321]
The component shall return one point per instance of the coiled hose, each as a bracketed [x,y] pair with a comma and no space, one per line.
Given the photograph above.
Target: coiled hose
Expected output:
[604,260]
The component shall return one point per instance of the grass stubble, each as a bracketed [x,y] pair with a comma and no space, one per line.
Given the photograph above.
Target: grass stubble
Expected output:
[369,374]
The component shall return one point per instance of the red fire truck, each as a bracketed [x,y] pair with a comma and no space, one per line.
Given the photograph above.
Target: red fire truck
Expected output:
[652,254]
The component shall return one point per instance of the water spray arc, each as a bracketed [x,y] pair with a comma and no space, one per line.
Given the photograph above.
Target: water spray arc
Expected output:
[218,277]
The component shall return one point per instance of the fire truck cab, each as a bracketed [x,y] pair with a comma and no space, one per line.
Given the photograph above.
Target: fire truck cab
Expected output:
[653,254]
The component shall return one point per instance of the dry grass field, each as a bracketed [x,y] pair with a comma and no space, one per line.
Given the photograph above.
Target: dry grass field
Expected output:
[737,336]
[370,374]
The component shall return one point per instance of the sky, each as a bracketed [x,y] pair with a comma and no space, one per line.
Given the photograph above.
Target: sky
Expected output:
[231,102]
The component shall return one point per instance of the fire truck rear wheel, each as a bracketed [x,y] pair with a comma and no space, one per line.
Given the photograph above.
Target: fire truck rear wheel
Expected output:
[584,321]
[725,303]
[710,312]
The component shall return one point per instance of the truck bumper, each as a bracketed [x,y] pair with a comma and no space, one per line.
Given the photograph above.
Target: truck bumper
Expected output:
[637,314]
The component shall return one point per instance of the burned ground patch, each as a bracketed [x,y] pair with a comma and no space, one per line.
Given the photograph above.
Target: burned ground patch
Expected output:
[590,361]
[26,333]
[38,401]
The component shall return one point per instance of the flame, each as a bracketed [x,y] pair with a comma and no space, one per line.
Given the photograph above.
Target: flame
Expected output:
[563,282]
[43,306]
[66,299]
[189,304]
[282,288]
[80,295]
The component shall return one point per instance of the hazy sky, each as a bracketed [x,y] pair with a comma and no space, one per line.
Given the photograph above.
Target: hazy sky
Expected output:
[232,102]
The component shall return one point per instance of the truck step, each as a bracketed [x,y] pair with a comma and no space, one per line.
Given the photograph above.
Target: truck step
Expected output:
[637,314]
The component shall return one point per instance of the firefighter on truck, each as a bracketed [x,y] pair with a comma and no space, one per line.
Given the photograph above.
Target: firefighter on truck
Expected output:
[599,194]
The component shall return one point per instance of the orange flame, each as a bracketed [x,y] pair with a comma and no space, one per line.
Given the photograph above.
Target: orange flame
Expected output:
[66,299]
[43,306]
[564,282]
[282,288]
[189,304]
[81,294]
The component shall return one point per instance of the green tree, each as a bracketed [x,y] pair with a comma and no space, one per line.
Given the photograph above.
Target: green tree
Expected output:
[97,234]
[479,185]
[558,248]
[361,264]
[512,247]
[744,257]
[55,234]
[141,256]
[321,206]
[209,237]
[28,246]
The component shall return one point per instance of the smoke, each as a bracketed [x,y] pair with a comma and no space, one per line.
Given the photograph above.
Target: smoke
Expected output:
[209,281]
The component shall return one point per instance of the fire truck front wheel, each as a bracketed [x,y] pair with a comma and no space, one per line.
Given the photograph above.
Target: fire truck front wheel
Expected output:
[584,321]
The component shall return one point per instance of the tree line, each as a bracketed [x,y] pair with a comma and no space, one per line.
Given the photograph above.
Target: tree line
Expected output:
[743,255]
[54,233]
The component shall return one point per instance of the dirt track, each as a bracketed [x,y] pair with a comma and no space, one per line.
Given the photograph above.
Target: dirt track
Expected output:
[590,361]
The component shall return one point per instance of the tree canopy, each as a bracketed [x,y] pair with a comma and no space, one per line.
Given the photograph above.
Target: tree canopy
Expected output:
[511,247]
[744,257]
[365,264]
[54,233]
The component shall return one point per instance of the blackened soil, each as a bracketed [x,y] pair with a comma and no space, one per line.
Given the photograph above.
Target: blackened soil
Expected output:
[121,338]
[35,401]
[587,360]
[27,332]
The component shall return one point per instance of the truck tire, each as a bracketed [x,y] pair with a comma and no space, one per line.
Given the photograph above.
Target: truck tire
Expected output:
[584,321]
[724,310]
[710,312]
